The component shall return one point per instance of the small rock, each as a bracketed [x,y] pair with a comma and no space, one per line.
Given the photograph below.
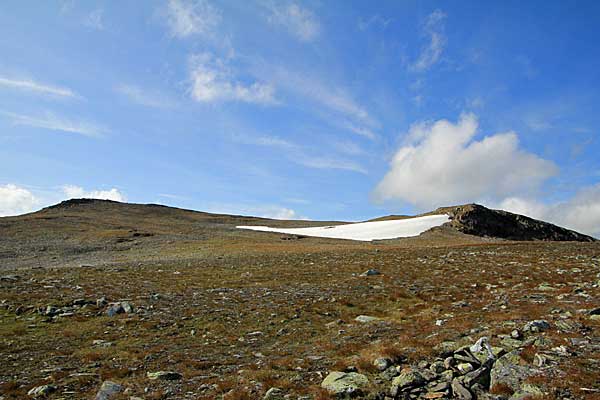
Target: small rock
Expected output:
[108,390]
[164,375]
[42,391]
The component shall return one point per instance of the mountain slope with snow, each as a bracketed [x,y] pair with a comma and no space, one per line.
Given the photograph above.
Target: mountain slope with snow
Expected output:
[365,231]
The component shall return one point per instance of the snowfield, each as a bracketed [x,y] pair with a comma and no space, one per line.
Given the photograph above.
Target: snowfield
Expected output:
[365,231]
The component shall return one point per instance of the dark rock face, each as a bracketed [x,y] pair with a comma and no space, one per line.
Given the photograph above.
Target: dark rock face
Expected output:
[477,220]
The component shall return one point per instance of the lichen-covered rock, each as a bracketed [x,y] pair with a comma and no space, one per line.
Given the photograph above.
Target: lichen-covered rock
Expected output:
[407,379]
[511,370]
[345,383]
[459,391]
[526,391]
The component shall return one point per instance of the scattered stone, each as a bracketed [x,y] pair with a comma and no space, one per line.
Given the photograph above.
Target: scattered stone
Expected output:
[382,363]
[119,308]
[539,325]
[516,334]
[108,390]
[101,302]
[274,394]
[345,383]
[101,343]
[164,375]
[42,391]
[370,272]
[365,319]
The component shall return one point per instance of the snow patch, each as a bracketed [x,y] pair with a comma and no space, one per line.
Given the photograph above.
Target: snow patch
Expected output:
[365,231]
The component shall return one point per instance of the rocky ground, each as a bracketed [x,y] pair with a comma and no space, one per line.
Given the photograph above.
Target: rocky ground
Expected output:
[247,315]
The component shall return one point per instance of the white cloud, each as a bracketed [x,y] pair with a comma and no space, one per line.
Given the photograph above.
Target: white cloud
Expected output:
[189,17]
[36,87]
[434,30]
[77,192]
[299,21]
[94,20]
[15,200]
[213,80]
[580,213]
[442,164]
[143,97]
[55,123]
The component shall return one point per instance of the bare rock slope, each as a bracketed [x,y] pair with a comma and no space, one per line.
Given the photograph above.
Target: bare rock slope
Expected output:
[474,219]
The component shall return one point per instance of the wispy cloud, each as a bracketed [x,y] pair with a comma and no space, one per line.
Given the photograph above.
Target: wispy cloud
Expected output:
[434,30]
[375,20]
[53,122]
[186,18]
[36,87]
[95,20]
[330,163]
[298,20]
[259,210]
[143,97]
[265,140]
[213,80]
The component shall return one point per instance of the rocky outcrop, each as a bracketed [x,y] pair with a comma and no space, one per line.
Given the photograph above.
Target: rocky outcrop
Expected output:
[474,219]
[470,372]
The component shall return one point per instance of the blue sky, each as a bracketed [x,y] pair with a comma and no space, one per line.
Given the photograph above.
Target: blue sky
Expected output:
[312,109]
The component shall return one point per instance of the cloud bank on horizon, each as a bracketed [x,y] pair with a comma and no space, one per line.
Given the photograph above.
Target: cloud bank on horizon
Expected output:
[294,109]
